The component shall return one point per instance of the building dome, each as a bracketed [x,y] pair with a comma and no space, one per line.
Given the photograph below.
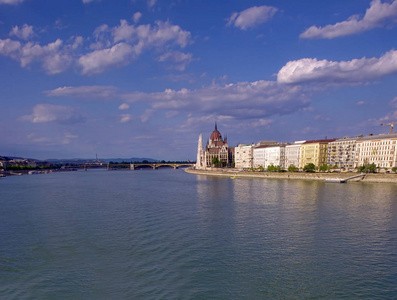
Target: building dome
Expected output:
[216,135]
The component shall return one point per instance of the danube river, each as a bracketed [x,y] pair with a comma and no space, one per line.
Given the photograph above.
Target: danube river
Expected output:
[166,234]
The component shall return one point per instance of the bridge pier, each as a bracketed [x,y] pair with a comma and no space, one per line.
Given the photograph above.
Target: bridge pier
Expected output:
[154,167]
[132,167]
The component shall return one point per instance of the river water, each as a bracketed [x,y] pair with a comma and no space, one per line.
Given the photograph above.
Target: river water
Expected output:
[166,234]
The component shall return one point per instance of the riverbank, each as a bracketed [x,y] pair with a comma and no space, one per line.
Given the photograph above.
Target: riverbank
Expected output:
[379,178]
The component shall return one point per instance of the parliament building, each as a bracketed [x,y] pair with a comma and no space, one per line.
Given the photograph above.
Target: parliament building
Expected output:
[217,153]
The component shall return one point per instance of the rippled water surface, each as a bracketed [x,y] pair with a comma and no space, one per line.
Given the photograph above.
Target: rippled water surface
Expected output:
[166,234]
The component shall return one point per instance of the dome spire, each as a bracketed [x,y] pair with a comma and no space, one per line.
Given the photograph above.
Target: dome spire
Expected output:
[216,127]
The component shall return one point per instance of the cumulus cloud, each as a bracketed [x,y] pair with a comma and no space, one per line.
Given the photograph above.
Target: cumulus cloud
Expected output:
[126,118]
[377,15]
[112,47]
[252,16]
[54,57]
[11,1]
[99,60]
[180,59]
[90,92]
[353,71]
[124,106]
[241,100]
[129,42]
[147,35]
[24,33]
[136,17]
[151,3]
[44,113]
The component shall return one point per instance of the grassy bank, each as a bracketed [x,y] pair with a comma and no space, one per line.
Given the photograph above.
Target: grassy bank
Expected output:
[385,178]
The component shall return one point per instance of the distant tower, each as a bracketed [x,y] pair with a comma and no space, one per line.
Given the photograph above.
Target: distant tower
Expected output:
[199,161]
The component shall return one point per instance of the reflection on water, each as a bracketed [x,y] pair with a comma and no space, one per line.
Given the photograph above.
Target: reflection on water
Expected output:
[167,234]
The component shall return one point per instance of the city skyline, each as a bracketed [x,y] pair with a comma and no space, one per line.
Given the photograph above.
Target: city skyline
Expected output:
[145,78]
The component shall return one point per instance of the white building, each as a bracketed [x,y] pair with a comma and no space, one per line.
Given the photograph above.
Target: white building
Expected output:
[342,153]
[243,156]
[293,154]
[260,153]
[378,149]
[275,156]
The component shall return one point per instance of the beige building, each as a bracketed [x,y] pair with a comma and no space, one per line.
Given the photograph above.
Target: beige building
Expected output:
[315,151]
[243,156]
[378,149]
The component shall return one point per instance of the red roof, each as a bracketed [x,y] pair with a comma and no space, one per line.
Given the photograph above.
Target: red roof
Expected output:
[319,141]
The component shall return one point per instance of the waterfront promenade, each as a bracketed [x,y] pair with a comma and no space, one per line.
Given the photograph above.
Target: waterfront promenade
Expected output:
[371,177]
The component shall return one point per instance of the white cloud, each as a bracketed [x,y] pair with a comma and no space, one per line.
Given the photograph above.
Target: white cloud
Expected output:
[252,16]
[136,17]
[242,100]
[126,118]
[90,92]
[130,41]
[43,113]
[153,36]
[180,59]
[11,1]
[88,1]
[53,57]
[10,48]
[151,3]
[262,123]
[113,47]
[24,33]
[332,72]
[124,106]
[146,115]
[377,15]
[99,60]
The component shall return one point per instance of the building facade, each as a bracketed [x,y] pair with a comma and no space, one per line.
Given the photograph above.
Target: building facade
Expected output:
[216,149]
[378,149]
[243,156]
[315,152]
[293,154]
[342,153]
[259,153]
[275,156]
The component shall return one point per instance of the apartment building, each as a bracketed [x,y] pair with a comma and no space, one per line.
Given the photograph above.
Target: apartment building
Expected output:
[342,153]
[243,156]
[293,154]
[315,151]
[378,149]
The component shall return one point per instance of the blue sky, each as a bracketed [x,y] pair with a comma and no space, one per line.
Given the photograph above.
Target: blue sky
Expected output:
[143,78]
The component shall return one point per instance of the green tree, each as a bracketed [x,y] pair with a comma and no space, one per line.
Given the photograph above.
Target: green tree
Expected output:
[323,168]
[367,168]
[394,169]
[292,168]
[215,161]
[309,168]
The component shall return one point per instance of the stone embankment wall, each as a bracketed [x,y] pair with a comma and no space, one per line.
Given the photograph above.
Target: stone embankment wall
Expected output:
[388,178]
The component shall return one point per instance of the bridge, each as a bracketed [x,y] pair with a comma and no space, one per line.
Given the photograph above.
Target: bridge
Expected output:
[155,166]
[131,166]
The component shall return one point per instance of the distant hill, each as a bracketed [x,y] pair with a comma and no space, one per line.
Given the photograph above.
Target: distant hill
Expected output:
[103,160]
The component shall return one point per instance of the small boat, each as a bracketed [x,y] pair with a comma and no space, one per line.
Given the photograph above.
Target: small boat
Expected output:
[233,177]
